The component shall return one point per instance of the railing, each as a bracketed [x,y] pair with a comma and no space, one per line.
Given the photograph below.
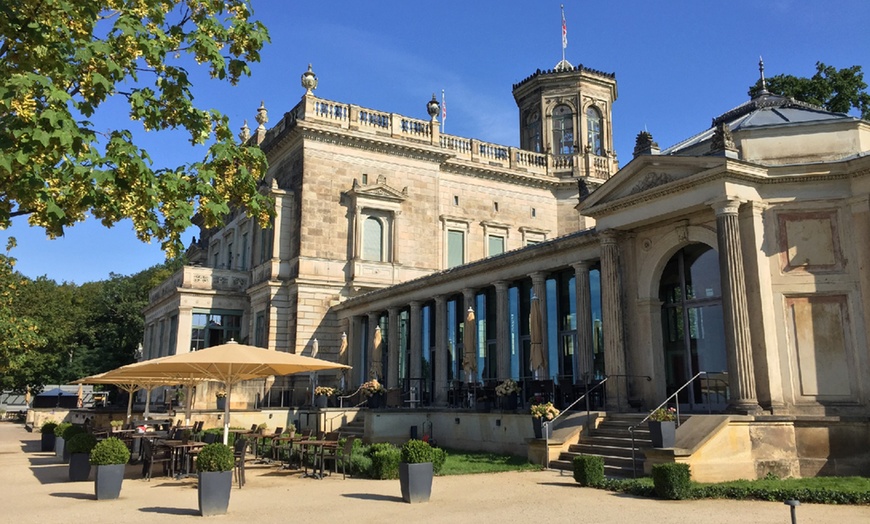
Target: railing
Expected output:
[626,377]
[646,418]
[545,424]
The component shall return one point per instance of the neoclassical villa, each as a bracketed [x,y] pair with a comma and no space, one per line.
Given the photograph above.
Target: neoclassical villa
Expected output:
[728,273]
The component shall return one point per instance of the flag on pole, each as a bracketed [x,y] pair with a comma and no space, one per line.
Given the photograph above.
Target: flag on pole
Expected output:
[564,30]
[443,111]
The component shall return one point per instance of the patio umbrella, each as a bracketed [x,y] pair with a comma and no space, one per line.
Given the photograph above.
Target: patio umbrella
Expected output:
[312,381]
[469,362]
[536,358]
[376,366]
[231,363]
[128,383]
[342,359]
[79,402]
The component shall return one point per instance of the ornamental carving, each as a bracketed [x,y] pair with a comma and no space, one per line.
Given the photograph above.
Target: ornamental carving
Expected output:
[652,180]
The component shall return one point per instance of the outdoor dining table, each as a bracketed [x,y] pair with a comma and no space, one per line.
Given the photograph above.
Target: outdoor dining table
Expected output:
[319,447]
[181,456]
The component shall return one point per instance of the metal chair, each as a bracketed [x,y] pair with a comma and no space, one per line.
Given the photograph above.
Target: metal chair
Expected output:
[240,448]
[341,454]
[152,453]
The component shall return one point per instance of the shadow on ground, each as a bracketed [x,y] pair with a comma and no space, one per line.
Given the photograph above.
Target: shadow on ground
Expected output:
[373,496]
[171,511]
[79,496]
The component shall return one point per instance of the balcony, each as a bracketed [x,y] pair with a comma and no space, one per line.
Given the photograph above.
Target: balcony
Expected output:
[195,277]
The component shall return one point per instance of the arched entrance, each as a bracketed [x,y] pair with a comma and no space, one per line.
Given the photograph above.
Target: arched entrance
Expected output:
[693,328]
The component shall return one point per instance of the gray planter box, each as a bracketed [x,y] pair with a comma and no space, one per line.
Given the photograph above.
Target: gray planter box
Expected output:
[662,434]
[214,492]
[58,447]
[107,481]
[79,467]
[48,440]
[415,481]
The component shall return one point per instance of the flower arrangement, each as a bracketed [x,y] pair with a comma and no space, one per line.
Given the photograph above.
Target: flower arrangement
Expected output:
[371,387]
[546,411]
[324,391]
[663,415]
[221,393]
[116,424]
[508,387]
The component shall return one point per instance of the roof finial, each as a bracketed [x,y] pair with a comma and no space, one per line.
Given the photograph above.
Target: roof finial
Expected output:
[764,90]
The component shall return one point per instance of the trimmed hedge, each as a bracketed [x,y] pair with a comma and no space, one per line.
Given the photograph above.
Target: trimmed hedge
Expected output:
[48,427]
[215,457]
[588,470]
[60,428]
[385,461]
[81,443]
[110,451]
[672,481]
[72,430]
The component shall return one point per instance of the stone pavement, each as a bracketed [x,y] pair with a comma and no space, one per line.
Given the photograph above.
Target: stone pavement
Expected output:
[36,490]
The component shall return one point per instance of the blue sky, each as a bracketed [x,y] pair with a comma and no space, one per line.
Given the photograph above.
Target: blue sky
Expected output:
[678,64]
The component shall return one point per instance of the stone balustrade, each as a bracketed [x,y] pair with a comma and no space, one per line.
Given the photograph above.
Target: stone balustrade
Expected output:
[196,277]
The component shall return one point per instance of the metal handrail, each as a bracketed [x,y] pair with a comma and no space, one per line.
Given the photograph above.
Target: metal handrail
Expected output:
[618,396]
[674,394]
[545,424]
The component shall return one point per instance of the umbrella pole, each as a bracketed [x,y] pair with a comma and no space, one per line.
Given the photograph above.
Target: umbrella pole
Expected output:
[147,413]
[130,404]
[187,401]
[227,414]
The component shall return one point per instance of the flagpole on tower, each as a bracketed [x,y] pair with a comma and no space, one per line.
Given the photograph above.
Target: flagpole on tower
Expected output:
[443,113]
[564,32]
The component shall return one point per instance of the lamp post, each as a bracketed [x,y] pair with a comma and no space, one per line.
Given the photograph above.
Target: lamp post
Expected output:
[793,503]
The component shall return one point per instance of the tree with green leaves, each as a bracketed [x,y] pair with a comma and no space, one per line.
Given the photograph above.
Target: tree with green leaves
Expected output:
[63,61]
[837,90]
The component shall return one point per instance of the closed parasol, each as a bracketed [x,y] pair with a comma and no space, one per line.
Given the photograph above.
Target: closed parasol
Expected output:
[536,358]
[377,366]
[469,360]
[342,359]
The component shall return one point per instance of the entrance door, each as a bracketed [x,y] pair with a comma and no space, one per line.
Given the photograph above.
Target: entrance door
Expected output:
[694,329]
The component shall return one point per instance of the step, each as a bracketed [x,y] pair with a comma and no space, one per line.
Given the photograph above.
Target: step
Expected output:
[592,449]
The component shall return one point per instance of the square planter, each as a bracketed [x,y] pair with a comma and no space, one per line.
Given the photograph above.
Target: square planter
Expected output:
[221,403]
[107,481]
[537,426]
[58,447]
[415,481]
[47,442]
[662,434]
[214,492]
[320,401]
[79,467]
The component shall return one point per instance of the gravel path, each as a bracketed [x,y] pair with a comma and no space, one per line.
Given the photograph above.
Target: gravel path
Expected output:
[36,490]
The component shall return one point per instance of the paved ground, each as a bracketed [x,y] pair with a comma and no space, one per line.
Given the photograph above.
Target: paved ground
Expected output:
[36,490]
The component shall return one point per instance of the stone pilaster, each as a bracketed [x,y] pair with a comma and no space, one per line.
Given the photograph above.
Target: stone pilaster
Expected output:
[416,335]
[355,375]
[583,299]
[393,349]
[502,330]
[611,317]
[735,309]
[441,357]
[539,288]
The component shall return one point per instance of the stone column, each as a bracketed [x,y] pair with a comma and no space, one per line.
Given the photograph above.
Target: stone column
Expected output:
[741,372]
[583,299]
[393,349]
[611,318]
[441,359]
[355,375]
[502,330]
[373,325]
[415,332]
[539,288]
[468,301]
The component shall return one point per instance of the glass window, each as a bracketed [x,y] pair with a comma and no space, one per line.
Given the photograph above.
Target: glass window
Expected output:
[496,245]
[373,240]
[532,132]
[455,248]
[243,263]
[593,131]
[214,328]
[563,130]
[229,255]
[260,329]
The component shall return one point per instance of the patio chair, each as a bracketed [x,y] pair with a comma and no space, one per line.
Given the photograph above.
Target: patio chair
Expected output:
[340,454]
[240,448]
[151,454]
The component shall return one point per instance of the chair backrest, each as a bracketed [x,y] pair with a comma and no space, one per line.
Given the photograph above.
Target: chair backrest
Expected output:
[254,427]
[197,427]
[147,450]
[332,436]
[240,446]
[348,445]
[279,430]
[306,434]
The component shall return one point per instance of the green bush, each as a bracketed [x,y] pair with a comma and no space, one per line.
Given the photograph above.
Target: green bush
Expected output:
[672,481]
[416,451]
[81,443]
[215,457]
[48,426]
[231,438]
[588,470]
[385,461]
[110,451]
[360,461]
[71,431]
[438,459]
[60,428]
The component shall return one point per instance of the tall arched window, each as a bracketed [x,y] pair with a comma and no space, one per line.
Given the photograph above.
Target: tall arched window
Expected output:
[593,131]
[563,130]
[532,139]
[373,240]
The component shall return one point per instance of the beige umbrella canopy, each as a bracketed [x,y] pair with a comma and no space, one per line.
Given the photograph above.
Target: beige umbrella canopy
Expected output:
[469,361]
[126,382]
[536,359]
[376,366]
[342,359]
[230,363]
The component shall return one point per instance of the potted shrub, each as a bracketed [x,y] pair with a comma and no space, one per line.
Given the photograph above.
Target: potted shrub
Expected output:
[48,437]
[416,471]
[110,457]
[263,428]
[540,413]
[321,396]
[80,447]
[507,394]
[68,433]
[374,391]
[662,425]
[116,425]
[58,438]
[214,464]
[221,398]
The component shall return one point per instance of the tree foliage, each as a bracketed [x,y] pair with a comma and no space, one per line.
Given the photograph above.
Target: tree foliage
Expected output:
[61,61]
[19,334]
[837,90]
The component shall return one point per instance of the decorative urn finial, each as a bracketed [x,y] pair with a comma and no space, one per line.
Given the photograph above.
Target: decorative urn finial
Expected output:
[433,107]
[245,133]
[764,90]
[309,81]
[262,116]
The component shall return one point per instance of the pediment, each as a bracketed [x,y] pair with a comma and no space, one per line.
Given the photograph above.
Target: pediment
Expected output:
[380,191]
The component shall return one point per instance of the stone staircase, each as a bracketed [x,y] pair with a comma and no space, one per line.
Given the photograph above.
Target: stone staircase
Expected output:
[611,440]
[354,428]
